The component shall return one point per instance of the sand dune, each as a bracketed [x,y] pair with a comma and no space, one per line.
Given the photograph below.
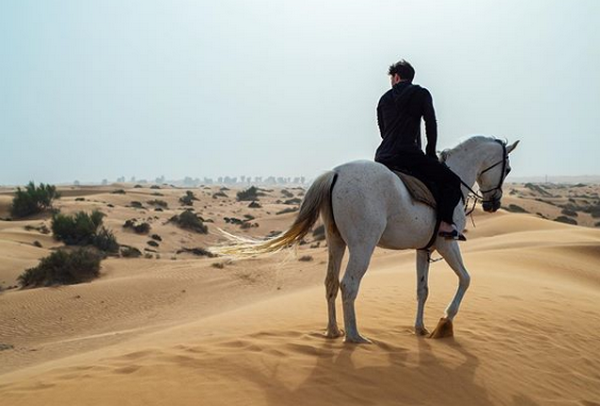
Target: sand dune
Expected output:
[182,332]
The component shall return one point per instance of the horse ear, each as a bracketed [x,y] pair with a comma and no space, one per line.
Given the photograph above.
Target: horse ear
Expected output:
[511,147]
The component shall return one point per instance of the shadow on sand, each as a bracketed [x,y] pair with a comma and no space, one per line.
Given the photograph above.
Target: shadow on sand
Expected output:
[389,375]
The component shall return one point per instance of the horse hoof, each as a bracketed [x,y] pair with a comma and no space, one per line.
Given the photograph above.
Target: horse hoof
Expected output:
[357,340]
[332,334]
[421,331]
[443,329]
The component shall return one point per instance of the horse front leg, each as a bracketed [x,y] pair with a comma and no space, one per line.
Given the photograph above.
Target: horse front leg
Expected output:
[422,290]
[451,253]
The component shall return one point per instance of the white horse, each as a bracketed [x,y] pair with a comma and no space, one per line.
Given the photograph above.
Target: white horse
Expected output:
[365,205]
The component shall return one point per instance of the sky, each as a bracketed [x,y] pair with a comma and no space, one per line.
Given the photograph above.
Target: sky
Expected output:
[93,90]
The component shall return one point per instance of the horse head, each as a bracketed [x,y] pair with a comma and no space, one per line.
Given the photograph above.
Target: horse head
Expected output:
[494,169]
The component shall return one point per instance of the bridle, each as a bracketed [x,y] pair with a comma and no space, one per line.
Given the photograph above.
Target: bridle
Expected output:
[502,176]
[495,199]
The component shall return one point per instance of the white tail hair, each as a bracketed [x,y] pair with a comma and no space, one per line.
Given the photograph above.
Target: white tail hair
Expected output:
[316,201]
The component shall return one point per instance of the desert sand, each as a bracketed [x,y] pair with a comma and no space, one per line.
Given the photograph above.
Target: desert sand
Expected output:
[176,329]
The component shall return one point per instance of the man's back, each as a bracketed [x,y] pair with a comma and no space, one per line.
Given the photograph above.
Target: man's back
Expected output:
[399,115]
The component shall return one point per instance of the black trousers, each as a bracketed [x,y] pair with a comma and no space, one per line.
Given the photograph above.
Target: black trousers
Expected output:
[443,183]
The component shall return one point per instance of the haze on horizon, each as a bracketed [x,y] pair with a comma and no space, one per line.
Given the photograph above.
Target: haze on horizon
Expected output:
[94,90]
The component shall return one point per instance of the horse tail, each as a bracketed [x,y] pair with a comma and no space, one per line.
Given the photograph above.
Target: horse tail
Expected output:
[316,201]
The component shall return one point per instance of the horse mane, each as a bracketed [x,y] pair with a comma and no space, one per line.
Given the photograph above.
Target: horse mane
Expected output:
[466,144]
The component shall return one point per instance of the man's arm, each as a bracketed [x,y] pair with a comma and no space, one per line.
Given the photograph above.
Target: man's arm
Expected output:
[430,124]
[380,122]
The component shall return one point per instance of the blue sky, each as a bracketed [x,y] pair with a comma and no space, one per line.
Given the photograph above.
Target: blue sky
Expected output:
[94,90]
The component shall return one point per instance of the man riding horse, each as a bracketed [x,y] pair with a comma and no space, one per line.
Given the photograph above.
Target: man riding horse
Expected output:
[399,115]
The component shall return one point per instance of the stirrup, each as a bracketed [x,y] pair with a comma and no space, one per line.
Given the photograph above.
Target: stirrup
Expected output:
[452,235]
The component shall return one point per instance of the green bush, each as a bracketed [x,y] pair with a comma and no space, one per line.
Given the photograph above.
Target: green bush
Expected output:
[159,203]
[63,267]
[77,229]
[565,219]
[142,228]
[33,199]
[248,195]
[513,208]
[82,228]
[130,252]
[105,241]
[189,221]
[188,199]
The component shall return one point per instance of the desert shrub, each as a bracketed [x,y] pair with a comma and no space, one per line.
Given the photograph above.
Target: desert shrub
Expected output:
[513,208]
[33,199]
[80,199]
[287,193]
[156,237]
[565,219]
[137,187]
[130,252]
[305,258]
[141,228]
[190,221]
[118,192]
[537,189]
[105,240]
[159,203]
[287,210]
[42,228]
[569,212]
[38,244]
[293,201]
[219,194]
[77,229]
[201,252]
[63,267]
[136,204]
[597,224]
[319,233]
[594,210]
[152,243]
[247,195]
[188,199]
[254,205]
[154,187]
[218,265]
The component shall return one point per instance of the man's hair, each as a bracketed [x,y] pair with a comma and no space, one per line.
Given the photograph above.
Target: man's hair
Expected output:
[402,68]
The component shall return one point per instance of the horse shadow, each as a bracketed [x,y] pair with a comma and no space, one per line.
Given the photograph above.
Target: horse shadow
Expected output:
[403,378]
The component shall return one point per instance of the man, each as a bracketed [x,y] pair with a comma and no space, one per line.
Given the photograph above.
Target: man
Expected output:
[399,118]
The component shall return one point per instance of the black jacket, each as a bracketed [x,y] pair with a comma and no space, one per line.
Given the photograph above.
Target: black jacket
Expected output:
[399,118]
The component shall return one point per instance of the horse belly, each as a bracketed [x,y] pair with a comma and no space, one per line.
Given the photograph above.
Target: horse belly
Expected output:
[409,228]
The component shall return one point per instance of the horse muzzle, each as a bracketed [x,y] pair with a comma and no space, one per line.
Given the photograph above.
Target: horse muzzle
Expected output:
[491,206]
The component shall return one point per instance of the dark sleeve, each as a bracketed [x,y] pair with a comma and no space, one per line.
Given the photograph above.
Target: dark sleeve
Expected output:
[380,120]
[430,123]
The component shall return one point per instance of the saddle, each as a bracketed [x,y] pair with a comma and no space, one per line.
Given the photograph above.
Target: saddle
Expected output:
[417,189]
[420,193]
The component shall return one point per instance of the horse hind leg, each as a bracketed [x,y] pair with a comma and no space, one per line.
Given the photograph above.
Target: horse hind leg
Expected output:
[358,263]
[337,248]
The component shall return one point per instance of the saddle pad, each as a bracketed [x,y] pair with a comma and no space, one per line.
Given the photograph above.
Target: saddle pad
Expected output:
[417,189]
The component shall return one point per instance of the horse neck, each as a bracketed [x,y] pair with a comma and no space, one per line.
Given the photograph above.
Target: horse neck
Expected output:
[466,163]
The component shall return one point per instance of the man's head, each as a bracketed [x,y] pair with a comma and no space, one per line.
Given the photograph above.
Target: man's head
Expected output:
[400,71]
